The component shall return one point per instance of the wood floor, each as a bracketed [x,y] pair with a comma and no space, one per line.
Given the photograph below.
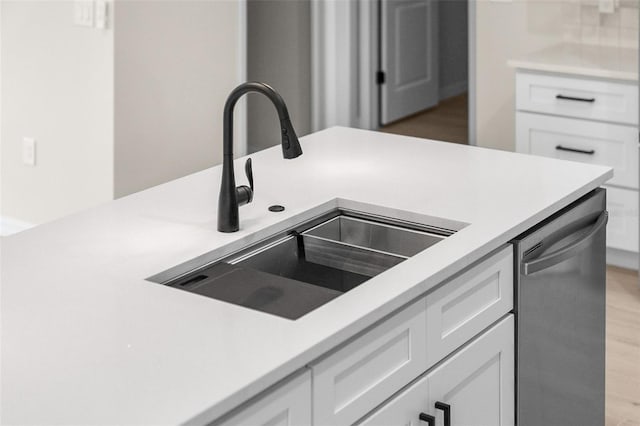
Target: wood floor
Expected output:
[623,348]
[448,121]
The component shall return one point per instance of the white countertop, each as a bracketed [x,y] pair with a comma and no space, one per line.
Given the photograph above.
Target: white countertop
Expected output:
[86,340]
[583,60]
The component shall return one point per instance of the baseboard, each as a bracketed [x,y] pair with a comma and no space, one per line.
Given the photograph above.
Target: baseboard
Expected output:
[454,89]
[9,225]
[622,258]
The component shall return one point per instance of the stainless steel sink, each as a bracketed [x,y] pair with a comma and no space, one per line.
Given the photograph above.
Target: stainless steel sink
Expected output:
[294,273]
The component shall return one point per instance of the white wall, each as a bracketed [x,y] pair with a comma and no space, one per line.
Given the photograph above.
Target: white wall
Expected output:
[113,111]
[278,53]
[175,64]
[57,87]
[505,30]
[453,47]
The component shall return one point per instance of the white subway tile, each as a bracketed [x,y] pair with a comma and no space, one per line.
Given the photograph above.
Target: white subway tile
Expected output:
[609,36]
[610,20]
[572,34]
[629,17]
[590,16]
[589,34]
[628,38]
[571,12]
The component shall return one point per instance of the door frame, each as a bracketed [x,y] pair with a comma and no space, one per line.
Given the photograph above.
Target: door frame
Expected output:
[345,40]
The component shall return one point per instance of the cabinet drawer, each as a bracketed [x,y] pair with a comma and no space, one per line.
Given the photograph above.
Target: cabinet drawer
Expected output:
[469,303]
[287,405]
[576,97]
[622,229]
[590,142]
[355,379]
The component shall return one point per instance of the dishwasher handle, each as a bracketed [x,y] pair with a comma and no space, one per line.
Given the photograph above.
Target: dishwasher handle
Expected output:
[566,252]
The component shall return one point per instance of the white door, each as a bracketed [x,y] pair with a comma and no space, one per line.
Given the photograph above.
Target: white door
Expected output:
[477,384]
[409,57]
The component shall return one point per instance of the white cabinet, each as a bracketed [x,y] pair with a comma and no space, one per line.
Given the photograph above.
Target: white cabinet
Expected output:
[348,383]
[352,381]
[622,230]
[476,386]
[288,404]
[355,379]
[468,304]
[591,142]
[404,409]
[478,383]
[586,98]
[592,121]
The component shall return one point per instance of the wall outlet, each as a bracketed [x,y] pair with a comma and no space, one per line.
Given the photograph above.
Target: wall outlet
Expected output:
[29,151]
[84,13]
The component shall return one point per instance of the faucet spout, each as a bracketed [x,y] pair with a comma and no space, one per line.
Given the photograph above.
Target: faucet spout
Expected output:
[231,197]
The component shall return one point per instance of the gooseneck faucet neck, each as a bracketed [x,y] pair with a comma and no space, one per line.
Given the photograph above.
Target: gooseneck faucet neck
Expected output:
[230,196]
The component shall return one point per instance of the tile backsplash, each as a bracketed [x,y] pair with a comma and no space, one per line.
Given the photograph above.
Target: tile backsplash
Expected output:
[585,24]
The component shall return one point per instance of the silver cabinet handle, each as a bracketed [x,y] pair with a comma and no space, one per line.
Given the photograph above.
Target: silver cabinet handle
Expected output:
[567,252]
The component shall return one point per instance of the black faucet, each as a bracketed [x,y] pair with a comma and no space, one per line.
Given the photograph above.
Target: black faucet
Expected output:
[230,196]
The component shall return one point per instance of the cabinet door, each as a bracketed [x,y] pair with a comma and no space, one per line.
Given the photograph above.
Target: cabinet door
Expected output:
[287,405]
[361,375]
[478,382]
[404,409]
[468,304]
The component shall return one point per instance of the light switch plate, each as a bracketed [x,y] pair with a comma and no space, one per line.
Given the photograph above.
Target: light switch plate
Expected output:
[101,14]
[84,13]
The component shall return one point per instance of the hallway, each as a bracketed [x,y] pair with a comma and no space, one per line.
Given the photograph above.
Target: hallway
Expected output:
[448,121]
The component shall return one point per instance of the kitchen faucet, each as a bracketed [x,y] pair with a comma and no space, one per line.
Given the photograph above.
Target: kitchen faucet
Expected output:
[230,196]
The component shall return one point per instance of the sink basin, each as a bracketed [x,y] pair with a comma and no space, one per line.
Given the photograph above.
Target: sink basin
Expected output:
[311,264]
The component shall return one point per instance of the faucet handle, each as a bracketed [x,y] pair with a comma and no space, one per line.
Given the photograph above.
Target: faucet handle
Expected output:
[244,193]
[249,172]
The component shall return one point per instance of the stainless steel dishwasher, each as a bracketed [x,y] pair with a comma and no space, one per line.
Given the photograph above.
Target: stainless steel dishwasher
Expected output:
[560,307]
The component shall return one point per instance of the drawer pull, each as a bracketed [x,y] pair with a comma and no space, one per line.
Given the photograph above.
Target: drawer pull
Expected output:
[429,419]
[573,98]
[579,151]
[446,408]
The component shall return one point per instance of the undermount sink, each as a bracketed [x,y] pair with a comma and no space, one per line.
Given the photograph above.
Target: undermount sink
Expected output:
[307,266]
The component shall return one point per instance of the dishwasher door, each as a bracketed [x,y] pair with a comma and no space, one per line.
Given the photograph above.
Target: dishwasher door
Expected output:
[560,307]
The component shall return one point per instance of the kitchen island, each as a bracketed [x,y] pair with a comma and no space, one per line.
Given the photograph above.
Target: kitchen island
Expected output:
[87,339]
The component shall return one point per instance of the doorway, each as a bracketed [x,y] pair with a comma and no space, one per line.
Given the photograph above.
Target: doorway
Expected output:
[448,121]
[431,60]
[423,69]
